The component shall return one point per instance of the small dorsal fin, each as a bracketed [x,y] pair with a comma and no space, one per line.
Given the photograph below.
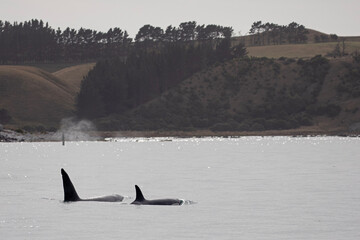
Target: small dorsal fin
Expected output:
[70,193]
[139,195]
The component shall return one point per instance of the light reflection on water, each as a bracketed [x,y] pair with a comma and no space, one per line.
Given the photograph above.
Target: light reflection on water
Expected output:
[245,188]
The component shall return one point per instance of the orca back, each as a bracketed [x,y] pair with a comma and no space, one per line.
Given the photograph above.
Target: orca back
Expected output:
[70,193]
[140,200]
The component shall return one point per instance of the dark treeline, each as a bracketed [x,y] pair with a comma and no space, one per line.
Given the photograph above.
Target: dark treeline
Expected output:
[115,86]
[187,31]
[270,33]
[36,41]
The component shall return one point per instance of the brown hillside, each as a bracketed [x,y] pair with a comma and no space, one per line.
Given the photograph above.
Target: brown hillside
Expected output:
[72,76]
[300,50]
[256,94]
[33,96]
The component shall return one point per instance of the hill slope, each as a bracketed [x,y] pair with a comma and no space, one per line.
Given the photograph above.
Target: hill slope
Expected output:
[33,96]
[300,50]
[72,76]
[254,94]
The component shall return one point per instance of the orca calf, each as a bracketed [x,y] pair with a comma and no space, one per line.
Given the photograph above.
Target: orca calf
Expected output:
[140,200]
[70,194]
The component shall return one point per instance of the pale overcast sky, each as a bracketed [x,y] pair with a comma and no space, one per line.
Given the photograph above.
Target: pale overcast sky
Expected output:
[341,17]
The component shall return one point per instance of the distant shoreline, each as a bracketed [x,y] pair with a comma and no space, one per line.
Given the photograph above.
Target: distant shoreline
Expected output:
[13,136]
[208,133]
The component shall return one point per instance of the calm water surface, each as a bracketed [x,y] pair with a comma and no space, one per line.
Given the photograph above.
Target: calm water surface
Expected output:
[245,188]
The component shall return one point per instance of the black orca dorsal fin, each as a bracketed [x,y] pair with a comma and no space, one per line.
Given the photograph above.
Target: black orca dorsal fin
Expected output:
[139,195]
[70,193]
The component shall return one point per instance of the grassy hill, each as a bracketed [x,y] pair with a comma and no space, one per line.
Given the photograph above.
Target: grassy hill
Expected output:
[54,66]
[300,50]
[35,97]
[72,76]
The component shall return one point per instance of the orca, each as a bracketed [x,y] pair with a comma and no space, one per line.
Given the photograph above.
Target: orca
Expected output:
[70,194]
[140,200]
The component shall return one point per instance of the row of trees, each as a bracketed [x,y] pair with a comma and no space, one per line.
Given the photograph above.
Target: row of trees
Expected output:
[36,41]
[187,31]
[270,33]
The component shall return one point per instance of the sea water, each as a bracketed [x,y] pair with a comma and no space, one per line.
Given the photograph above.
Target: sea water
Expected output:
[244,188]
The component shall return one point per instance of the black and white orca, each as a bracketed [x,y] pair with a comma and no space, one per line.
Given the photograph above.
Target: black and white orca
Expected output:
[70,194]
[140,200]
